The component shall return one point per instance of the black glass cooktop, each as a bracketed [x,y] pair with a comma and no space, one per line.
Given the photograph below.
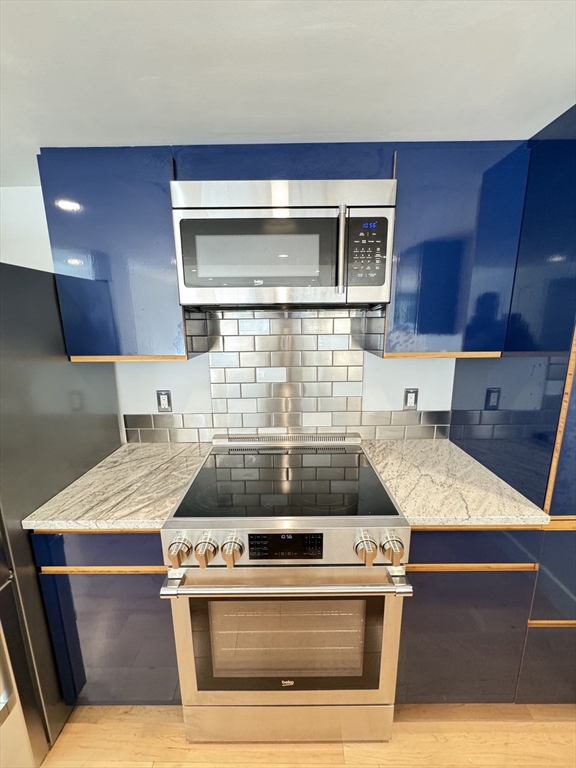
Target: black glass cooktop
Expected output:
[286,482]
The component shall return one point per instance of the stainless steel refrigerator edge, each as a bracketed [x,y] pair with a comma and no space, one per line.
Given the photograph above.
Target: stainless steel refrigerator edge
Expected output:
[59,419]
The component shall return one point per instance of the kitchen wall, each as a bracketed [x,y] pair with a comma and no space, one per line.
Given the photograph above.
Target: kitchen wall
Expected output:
[23,230]
[294,371]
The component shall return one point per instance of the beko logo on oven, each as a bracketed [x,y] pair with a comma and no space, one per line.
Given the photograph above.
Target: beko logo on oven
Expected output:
[287,683]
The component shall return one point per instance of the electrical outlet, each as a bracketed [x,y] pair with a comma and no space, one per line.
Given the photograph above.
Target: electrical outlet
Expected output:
[410,399]
[164,400]
[492,399]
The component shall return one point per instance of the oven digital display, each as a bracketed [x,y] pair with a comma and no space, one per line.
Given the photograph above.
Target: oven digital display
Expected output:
[285,546]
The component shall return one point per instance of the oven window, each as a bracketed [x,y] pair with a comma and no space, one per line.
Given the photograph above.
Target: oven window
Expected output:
[263,252]
[308,638]
[305,644]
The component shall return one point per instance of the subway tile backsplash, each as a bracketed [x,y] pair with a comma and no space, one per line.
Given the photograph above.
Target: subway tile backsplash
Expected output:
[286,371]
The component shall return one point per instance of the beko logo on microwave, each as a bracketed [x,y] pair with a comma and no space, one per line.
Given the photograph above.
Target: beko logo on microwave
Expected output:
[287,683]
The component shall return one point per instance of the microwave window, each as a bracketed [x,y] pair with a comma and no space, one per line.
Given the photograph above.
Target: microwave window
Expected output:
[257,256]
[248,252]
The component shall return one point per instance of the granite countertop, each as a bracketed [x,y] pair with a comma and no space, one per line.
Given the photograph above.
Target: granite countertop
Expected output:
[137,487]
[432,481]
[436,483]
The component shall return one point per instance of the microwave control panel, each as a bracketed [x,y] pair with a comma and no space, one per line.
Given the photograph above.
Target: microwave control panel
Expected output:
[367,251]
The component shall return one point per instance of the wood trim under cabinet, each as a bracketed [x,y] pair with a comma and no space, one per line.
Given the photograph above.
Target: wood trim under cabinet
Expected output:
[561,523]
[104,532]
[440,354]
[442,528]
[561,426]
[126,358]
[436,567]
[556,523]
[99,570]
[536,623]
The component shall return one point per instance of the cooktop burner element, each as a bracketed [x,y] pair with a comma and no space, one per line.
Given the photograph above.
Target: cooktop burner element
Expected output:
[287,500]
[279,481]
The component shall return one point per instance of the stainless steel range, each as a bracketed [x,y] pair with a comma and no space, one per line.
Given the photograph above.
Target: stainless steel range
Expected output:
[282,631]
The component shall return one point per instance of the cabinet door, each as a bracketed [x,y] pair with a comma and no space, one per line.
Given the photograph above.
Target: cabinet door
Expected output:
[113,638]
[548,674]
[555,595]
[458,219]
[462,636]
[544,299]
[110,223]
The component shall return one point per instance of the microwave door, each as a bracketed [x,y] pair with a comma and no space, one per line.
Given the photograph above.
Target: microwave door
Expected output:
[261,256]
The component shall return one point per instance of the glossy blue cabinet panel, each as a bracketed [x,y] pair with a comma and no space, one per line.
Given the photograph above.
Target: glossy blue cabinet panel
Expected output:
[97,549]
[125,638]
[61,619]
[555,596]
[564,498]
[362,160]
[475,546]
[544,300]
[517,440]
[458,218]
[110,225]
[462,636]
[548,674]
[337,160]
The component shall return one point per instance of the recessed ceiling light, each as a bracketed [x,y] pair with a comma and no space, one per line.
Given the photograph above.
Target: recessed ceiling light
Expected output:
[69,205]
[282,255]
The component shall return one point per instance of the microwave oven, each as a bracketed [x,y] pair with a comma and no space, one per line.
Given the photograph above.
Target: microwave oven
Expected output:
[279,242]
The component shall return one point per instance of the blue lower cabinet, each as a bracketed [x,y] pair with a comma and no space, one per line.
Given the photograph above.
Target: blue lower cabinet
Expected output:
[490,546]
[548,674]
[113,638]
[463,635]
[555,596]
[97,549]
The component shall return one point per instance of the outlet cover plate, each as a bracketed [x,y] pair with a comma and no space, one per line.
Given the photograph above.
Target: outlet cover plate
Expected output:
[492,399]
[410,399]
[164,400]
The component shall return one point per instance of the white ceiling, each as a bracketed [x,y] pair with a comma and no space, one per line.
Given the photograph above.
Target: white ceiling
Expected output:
[112,72]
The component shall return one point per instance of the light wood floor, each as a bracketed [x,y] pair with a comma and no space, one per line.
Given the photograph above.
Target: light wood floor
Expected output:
[443,736]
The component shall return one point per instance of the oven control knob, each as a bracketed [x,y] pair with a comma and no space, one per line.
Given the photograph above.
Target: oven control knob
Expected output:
[205,551]
[232,550]
[366,548]
[178,551]
[393,549]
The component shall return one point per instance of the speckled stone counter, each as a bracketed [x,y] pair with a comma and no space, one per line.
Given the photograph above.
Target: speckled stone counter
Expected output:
[136,487]
[436,483]
[432,481]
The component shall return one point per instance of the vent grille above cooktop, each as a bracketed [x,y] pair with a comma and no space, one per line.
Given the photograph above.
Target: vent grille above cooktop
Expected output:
[351,439]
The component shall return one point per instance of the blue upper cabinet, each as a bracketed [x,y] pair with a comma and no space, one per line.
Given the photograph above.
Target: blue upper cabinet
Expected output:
[361,160]
[110,224]
[544,299]
[458,219]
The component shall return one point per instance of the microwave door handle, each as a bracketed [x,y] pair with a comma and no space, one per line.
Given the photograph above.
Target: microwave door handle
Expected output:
[341,257]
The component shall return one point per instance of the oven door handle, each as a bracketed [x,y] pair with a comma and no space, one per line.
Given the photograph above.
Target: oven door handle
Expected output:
[399,587]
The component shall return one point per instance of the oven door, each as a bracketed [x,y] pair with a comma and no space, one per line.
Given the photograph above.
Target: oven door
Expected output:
[244,256]
[328,640]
